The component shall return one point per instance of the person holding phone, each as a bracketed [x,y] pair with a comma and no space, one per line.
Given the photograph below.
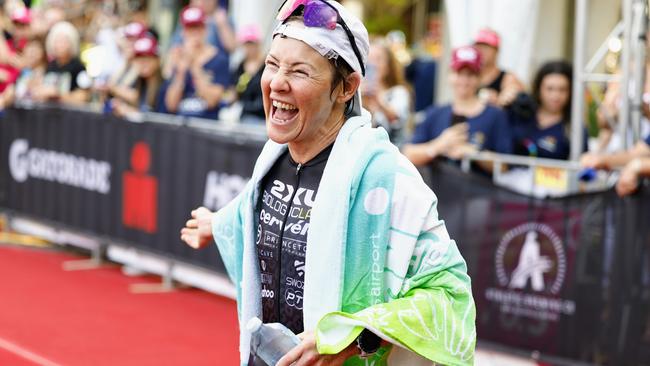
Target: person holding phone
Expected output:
[464,126]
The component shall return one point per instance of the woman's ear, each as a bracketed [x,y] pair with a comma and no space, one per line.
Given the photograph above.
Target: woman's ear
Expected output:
[351,83]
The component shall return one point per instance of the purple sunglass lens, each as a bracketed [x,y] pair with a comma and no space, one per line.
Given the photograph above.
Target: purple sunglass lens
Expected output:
[319,14]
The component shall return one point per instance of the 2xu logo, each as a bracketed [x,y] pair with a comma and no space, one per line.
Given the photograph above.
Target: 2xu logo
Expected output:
[531,253]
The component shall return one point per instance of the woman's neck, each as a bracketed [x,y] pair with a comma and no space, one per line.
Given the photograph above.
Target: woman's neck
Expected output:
[63,60]
[468,107]
[546,118]
[305,150]
[489,74]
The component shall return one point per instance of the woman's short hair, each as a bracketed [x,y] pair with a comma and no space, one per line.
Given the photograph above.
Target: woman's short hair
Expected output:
[64,29]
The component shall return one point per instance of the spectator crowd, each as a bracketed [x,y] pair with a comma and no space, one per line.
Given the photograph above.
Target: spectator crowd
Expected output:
[208,69]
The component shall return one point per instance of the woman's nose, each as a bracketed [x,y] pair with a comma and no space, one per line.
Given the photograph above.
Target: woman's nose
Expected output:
[279,82]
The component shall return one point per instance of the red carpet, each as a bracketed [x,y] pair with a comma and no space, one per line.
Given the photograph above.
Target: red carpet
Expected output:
[90,318]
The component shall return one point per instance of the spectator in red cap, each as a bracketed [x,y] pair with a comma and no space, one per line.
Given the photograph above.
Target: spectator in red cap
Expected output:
[248,76]
[498,86]
[11,49]
[143,94]
[121,81]
[199,72]
[219,31]
[21,18]
[466,125]
[31,74]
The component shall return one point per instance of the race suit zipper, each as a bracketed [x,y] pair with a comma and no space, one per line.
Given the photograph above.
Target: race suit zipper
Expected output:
[284,222]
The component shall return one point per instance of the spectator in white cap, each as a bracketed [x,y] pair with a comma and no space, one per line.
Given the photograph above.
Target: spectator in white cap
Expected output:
[336,236]
[200,72]
[498,87]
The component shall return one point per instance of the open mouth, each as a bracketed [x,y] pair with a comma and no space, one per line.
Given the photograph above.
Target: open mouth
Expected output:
[283,113]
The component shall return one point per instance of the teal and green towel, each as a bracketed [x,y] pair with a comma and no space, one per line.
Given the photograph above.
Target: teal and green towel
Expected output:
[378,257]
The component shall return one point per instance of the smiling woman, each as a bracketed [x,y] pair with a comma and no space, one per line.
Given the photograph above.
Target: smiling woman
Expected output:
[336,236]
[305,110]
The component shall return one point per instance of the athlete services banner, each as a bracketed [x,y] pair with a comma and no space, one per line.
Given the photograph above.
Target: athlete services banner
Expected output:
[131,182]
[568,278]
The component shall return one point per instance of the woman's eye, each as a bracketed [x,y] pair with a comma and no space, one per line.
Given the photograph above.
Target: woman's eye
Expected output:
[271,65]
[301,73]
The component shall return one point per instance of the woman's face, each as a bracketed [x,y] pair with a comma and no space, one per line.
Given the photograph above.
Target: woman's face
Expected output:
[296,86]
[194,35]
[464,83]
[62,47]
[554,92]
[34,54]
[22,31]
[489,54]
[251,50]
[379,60]
[147,66]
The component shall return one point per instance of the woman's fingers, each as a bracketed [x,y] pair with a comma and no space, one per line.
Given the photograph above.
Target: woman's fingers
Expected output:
[291,356]
[192,223]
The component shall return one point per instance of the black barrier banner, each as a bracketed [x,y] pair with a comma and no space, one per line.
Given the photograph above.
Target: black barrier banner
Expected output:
[132,182]
[569,278]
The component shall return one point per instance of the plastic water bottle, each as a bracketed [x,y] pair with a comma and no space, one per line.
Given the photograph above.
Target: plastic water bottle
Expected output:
[270,342]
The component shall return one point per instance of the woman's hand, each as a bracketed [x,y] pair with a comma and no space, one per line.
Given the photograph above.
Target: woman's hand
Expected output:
[452,137]
[629,179]
[306,354]
[461,151]
[197,232]
[591,160]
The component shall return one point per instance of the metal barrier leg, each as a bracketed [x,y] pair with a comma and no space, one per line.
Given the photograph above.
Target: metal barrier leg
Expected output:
[95,261]
[167,284]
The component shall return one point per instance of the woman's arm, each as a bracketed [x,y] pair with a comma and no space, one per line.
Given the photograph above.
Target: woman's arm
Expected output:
[75,97]
[205,89]
[424,153]
[630,175]
[611,161]
[226,33]
[125,93]
[174,92]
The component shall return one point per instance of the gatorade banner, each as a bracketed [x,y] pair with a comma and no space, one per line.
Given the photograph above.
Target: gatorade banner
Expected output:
[134,183]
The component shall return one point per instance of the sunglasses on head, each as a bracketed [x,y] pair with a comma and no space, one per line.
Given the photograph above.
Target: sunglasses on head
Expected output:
[320,14]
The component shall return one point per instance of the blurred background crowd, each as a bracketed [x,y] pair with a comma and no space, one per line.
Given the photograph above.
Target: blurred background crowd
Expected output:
[107,56]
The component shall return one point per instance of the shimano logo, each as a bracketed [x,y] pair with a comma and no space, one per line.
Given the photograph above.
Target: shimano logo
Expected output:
[53,166]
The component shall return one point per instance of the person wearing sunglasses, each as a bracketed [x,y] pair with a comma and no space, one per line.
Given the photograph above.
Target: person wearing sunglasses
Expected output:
[336,236]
